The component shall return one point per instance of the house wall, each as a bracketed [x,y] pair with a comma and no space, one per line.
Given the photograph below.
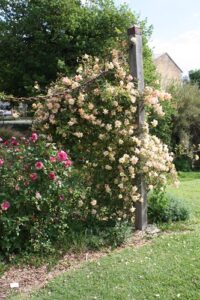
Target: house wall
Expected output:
[168,71]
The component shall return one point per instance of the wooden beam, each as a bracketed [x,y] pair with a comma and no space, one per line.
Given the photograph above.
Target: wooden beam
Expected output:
[136,68]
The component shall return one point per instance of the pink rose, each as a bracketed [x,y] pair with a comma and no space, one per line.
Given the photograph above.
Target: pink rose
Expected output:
[34,137]
[68,163]
[14,142]
[52,159]
[17,187]
[52,176]
[39,165]
[62,197]
[33,176]
[1,162]
[5,205]
[62,155]
[38,195]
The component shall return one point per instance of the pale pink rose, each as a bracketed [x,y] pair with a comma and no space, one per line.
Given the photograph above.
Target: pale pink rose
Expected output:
[52,159]
[52,176]
[1,140]
[66,81]
[38,195]
[1,162]
[62,155]
[5,205]
[34,137]
[68,163]
[17,188]
[33,176]
[62,197]
[39,165]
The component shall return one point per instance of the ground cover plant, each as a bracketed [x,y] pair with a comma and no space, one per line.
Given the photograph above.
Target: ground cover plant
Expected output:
[164,208]
[167,268]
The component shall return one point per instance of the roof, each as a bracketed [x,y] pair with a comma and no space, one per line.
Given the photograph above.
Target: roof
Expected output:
[156,56]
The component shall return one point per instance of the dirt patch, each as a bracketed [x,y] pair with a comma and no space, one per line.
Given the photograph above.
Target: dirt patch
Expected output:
[31,278]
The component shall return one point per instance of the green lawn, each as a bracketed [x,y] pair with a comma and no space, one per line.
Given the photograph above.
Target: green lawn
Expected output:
[167,268]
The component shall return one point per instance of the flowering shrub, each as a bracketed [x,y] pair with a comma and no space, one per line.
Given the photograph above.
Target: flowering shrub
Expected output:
[95,114]
[35,200]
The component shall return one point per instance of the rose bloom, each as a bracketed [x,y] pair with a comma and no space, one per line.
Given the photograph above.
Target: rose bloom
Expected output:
[5,205]
[1,162]
[62,155]
[68,163]
[38,195]
[62,197]
[14,142]
[52,159]
[34,137]
[17,187]
[33,176]
[39,165]
[52,176]
[93,202]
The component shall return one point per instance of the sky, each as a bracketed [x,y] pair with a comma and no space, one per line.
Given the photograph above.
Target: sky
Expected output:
[176,30]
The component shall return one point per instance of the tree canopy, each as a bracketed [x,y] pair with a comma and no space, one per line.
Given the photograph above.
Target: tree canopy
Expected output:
[195,76]
[41,38]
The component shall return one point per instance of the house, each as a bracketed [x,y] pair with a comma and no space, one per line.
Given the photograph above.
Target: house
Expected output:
[168,70]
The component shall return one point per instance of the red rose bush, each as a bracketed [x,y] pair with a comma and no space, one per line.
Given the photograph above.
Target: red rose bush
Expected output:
[34,194]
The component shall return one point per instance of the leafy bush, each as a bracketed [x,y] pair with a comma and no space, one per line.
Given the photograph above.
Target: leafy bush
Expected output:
[183,163]
[34,194]
[166,208]
[101,234]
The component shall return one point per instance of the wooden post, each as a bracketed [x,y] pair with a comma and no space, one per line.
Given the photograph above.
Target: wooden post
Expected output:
[136,68]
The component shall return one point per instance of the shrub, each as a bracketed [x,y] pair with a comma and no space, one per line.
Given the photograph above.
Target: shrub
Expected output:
[101,234]
[34,194]
[95,114]
[166,208]
[183,163]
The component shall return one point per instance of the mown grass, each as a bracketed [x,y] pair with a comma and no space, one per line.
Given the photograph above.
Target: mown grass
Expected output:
[168,268]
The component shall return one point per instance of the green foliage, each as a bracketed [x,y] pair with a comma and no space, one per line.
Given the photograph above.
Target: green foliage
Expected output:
[83,236]
[40,39]
[166,208]
[183,163]
[164,129]
[194,76]
[186,130]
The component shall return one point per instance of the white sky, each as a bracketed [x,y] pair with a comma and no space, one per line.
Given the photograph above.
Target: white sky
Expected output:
[176,28]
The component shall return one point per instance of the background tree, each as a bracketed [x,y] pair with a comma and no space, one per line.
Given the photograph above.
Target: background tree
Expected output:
[41,38]
[194,76]
[185,118]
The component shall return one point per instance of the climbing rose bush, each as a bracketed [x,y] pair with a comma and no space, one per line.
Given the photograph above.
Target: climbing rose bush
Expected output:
[35,198]
[95,113]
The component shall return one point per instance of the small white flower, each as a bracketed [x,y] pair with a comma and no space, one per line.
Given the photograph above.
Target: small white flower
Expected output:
[154,123]
[93,202]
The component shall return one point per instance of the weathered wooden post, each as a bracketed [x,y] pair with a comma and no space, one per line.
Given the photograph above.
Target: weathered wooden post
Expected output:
[136,68]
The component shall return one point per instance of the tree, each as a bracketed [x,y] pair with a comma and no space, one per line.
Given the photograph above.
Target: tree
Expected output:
[186,125]
[194,76]
[41,38]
